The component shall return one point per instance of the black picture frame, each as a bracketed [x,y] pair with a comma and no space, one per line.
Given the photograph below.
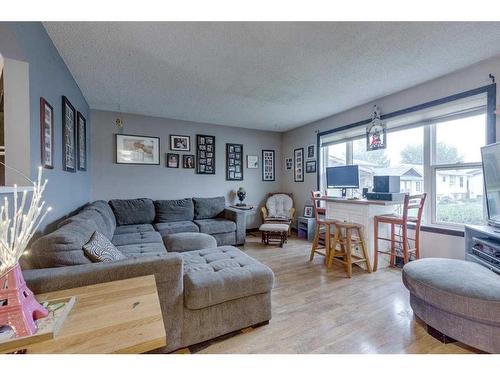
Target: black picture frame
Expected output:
[46,134]
[205,144]
[311,166]
[69,161]
[268,165]
[185,163]
[308,211]
[173,146]
[172,157]
[81,133]
[156,154]
[234,162]
[298,164]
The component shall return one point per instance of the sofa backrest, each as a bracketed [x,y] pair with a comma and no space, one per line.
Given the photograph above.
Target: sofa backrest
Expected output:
[208,208]
[174,210]
[103,208]
[63,247]
[133,211]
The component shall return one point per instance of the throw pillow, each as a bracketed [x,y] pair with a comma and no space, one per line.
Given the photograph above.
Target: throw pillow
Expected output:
[99,249]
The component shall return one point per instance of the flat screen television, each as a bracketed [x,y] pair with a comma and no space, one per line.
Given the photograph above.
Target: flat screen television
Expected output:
[342,177]
[491,172]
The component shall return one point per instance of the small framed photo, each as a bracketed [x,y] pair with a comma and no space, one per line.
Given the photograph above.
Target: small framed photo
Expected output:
[252,161]
[310,152]
[308,211]
[46,134]
[172,160]
[180,143]
[311,166]
[288,163]
[188,161]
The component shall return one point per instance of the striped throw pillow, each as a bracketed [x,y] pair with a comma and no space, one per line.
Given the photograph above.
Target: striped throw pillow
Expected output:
[100,249]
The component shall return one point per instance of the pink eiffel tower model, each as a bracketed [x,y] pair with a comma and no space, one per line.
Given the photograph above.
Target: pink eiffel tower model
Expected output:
[18,307]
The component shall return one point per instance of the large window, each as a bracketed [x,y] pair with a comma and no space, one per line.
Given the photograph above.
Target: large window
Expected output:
[437,152]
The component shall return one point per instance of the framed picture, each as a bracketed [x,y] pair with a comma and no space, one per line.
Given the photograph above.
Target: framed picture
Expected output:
[268,166]
[188,161]
[298,163]
[308,211]
[137,149]
[172,160]
[46,134]
[310,152]
[234,153]
[180,143]
[81,126]
[288,163]
[68,135]
[311,166]
[252,161]
[205,154]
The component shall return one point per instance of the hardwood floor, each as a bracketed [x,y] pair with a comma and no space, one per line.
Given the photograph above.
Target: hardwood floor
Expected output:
[316,310]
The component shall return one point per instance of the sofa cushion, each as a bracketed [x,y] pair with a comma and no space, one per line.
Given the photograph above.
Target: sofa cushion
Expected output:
[176,227]
[96,217]
[103,208]
[462,288]
[215,226]
[174,210]
[217,275]
[180,242]
[133,211]
[143,249]
[134,228]
[207,208]
[64,246]
[99,249]
[136,238]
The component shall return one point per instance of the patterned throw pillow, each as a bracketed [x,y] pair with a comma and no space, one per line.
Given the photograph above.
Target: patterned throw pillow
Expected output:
[99,249]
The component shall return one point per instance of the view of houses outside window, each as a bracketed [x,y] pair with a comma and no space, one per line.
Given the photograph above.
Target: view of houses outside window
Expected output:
[454,170]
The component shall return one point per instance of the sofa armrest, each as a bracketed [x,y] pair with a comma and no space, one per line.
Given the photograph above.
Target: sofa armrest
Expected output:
[238,216]
[45,280]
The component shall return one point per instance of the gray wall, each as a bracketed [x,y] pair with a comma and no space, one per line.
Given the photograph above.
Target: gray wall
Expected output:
[49,77]
[112,180]
[463,80]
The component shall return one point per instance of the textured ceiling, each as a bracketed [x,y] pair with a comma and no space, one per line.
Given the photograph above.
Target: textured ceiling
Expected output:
[273,76]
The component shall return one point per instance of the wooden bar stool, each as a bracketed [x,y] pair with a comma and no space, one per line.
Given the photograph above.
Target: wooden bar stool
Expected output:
[402,239]
[321,223]
[343,237]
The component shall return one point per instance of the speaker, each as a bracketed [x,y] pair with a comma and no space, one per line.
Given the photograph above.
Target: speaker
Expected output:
[386,184]
[394,197]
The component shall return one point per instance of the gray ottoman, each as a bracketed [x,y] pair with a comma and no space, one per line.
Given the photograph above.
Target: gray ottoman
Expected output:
[456,298]
[180,242]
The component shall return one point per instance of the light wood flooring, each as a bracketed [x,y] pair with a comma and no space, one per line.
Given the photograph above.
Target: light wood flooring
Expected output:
[316,310]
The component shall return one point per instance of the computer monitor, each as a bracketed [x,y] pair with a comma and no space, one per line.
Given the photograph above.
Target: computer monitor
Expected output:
[342,177]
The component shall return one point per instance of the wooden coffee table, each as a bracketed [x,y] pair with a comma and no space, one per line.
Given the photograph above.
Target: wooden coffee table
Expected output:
[117,317]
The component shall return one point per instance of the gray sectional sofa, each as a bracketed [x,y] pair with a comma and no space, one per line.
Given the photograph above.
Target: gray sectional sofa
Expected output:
[203,293]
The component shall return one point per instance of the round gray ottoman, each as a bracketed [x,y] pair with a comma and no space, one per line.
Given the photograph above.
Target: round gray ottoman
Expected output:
[180,242]
[456,298]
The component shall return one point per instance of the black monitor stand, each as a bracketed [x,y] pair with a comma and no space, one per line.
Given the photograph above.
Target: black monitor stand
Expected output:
[344,192]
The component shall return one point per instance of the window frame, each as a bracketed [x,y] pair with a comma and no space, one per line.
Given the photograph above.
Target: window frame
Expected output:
[430,168]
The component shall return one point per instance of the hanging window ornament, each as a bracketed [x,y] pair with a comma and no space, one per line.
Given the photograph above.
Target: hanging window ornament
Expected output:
[376,132]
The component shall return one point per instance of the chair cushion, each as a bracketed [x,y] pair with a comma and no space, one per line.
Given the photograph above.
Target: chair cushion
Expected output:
[143,249]
[216,226]
[136,238]
[176,227]
[207,208]
[279,205]
[174,210]
[99,249]
[133,211]
[134,228]
[213,276]
[180,242]
[462,288]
